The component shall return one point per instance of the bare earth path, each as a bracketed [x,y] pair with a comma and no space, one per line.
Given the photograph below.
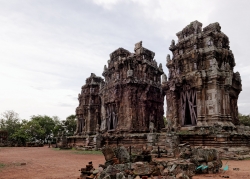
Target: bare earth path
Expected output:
[47,163]
[43,162]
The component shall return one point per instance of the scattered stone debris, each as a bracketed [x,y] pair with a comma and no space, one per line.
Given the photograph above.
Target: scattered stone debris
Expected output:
[88,172]
[121,164]
[234,153]
[237,169]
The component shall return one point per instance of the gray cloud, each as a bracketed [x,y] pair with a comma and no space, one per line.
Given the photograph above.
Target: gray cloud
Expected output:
[49,48]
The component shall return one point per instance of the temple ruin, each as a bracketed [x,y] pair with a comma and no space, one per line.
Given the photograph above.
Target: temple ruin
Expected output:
[88,111]
[202,89]
[130,99]
[201,92]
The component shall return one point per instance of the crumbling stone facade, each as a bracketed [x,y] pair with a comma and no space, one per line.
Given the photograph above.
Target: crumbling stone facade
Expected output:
[88,111]
[202,88]
[128,100]
[131,97]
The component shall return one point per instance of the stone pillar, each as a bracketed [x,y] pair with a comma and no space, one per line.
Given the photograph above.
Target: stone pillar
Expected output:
[199,106]
[151,137]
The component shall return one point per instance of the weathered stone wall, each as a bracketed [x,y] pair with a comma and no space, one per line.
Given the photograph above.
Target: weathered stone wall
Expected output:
[202,89]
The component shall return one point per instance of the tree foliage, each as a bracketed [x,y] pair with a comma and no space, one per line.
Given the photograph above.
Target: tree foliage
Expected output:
[244,119]
[70,124]
[38,127]
[165,120]
[10,122]
[46,123]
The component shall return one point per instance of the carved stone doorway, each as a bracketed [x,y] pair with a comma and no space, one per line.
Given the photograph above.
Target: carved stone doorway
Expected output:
[111,117]
[188,107]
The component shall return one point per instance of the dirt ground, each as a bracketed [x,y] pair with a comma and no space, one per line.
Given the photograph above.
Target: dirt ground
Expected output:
[48,163]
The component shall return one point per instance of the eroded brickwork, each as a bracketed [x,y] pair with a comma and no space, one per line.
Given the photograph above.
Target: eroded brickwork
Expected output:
[201,92]
[202,88]
[88,111]
[130,97]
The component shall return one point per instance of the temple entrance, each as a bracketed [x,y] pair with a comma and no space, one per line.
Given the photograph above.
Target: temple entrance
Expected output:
[81,125]
[111,117]
[188,107]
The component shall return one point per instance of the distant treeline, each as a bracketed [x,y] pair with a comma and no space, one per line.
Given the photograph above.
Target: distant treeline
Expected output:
[36,128]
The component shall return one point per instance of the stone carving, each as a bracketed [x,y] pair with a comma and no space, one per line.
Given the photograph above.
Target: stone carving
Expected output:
[168,58]
[164,78]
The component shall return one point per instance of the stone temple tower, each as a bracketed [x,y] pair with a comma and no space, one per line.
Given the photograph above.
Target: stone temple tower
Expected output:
[132,99]
[202,88]
[88,111]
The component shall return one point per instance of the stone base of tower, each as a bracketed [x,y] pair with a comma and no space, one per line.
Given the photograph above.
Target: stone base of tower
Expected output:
[95,142]
[215,136]
[219,140]
[232,142]
[89,142]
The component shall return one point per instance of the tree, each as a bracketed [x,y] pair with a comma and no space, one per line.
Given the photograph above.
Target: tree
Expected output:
[165,120]
[244,119]
[70,124]
[10,122]
[46,123]
[38,127]
[20,135]
[58,126]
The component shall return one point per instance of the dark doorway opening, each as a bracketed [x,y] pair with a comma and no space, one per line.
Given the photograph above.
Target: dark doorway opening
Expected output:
[188,120]
[188,107]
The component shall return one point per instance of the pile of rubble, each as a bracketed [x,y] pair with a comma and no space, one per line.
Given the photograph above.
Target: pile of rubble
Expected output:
[234,153]
[121,164]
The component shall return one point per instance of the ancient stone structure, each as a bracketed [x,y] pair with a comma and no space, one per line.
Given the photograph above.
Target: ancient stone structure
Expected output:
[129,100]
[88,111]
[126,107]
[131,97]
[202,89]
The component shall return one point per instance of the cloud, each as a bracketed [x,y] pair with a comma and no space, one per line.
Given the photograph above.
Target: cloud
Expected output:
[48,49]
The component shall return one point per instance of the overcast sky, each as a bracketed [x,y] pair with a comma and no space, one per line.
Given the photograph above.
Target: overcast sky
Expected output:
[48,48]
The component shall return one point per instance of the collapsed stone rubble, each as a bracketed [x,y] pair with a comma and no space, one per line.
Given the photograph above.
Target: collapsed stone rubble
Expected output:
[121,164]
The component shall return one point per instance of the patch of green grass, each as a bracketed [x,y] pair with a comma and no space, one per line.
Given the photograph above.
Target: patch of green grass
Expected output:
[81,152]
[89,152]
[2,165]
[248,158]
